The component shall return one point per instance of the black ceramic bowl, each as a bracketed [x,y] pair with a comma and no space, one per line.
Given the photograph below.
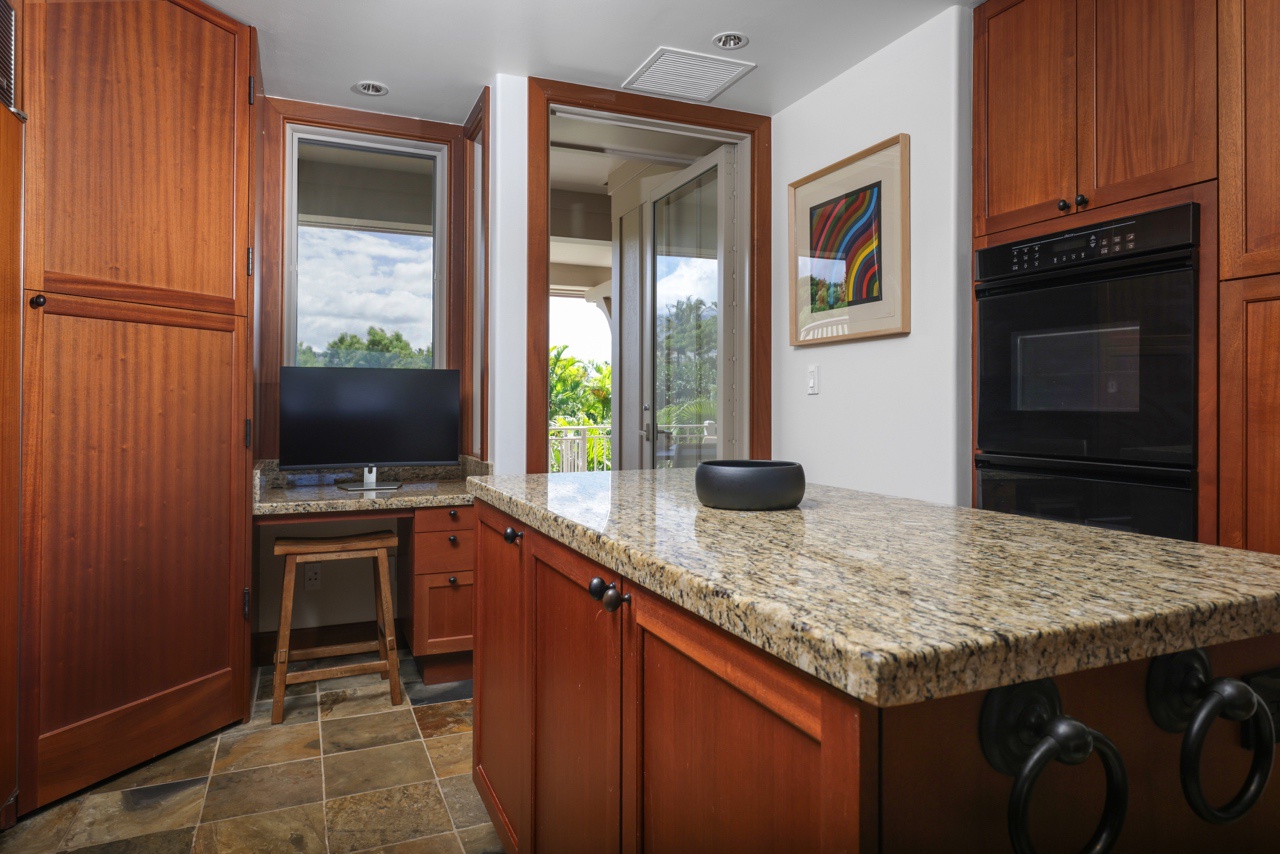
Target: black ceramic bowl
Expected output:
[749,484]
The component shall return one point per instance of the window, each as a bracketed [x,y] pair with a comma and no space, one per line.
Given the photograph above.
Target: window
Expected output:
[365,286]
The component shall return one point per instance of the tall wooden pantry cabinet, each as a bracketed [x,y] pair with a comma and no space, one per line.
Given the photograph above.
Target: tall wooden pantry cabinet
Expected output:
[136,385]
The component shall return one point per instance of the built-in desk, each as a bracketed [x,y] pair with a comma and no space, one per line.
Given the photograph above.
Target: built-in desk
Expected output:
[435,566]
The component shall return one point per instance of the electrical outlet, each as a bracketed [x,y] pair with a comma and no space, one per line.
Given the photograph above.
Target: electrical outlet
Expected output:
[813,379]
[311,578]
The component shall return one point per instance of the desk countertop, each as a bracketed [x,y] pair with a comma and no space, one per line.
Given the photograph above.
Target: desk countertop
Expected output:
[897,601]
[273,501]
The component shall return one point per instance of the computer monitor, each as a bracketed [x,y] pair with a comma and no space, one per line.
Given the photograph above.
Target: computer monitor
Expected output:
[368,417]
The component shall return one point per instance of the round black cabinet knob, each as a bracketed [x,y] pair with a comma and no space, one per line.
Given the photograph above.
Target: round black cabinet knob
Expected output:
[511,535]
[453,540]
[38,301]
[1064,205]
[1081,200]
[453,514]
[453,579]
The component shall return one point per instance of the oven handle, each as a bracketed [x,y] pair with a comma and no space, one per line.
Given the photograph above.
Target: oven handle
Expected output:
[1161,262]
[1178,478]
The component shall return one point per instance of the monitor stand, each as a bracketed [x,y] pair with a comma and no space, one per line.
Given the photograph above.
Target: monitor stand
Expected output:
[370,483]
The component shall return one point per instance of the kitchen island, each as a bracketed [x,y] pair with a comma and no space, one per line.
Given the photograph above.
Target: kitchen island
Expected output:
[814,678]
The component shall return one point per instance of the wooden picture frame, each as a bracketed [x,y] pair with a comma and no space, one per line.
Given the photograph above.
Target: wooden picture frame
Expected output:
[849,235]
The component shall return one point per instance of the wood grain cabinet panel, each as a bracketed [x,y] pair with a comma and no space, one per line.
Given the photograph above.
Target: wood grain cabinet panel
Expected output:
[136,478]
[1249,65]
[139,168]
[1250,414]
[1148,73]
[444,619]
[1024,112]
[503,680]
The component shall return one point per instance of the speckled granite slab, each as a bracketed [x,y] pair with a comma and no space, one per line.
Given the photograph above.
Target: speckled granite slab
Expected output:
[897,601]
[272,497]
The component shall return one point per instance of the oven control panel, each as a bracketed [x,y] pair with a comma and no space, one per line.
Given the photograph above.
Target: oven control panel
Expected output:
[1170,228]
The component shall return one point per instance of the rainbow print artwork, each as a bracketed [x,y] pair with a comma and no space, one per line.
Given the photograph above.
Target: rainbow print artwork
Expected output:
[844,250]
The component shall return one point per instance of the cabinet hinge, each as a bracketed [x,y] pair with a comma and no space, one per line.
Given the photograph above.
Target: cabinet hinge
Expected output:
[248,432]
[246,603]
[248,267]
[251,90]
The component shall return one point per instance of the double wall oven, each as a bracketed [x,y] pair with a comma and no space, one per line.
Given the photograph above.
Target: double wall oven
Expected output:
[1087,374]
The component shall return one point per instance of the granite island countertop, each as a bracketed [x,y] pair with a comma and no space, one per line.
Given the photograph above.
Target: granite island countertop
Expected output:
[896,601]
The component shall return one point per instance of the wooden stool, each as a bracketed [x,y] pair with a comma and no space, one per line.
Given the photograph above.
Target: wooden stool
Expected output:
[312,550]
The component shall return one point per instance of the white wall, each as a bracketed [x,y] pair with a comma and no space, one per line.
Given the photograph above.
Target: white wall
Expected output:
[508,242]
[892,415]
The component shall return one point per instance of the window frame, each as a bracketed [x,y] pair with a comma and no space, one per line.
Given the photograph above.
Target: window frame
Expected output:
[296,133]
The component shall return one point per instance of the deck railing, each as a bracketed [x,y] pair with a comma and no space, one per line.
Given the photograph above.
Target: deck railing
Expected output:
[589,447]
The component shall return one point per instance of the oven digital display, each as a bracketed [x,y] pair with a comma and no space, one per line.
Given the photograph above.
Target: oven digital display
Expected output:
[1069,244]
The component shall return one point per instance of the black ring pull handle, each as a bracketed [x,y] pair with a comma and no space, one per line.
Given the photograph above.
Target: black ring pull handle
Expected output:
[1023,729]
[1183,696]
[511,535]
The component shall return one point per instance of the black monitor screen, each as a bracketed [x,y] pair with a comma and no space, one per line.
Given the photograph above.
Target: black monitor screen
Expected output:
[349,417]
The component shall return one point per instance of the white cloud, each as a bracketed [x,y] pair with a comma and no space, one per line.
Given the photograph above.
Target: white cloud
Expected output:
[679,278]
[351,280]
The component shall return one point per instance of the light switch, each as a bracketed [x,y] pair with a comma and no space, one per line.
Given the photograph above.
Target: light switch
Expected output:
[813,379]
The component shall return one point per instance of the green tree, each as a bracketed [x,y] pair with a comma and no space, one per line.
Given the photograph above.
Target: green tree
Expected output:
[685,368]
[580,392]
[379,350]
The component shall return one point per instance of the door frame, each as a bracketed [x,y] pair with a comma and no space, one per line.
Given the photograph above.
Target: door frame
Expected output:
[543,94]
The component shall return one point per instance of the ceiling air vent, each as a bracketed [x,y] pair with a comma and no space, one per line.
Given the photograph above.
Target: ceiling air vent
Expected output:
[684,74]
[6,54]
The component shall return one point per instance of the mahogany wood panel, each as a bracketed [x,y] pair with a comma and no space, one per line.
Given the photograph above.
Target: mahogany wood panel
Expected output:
[136,477]
[475,385]
[1024,112]
[1249,116]
[279,114]
[445,613]
[577,705]
[436,551]
[445,667]
[139,114]
[932,766]
[460,518]
[1206,196]
[10,448]
[727,748]
[1147,75]
[503,671]
[1251,414]
[542,95]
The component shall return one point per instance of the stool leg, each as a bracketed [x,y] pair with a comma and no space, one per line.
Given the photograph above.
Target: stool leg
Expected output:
[388,628]
[282,638]
[378,615]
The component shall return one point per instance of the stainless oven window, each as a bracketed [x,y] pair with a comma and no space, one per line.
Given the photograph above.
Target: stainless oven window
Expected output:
[1088,369]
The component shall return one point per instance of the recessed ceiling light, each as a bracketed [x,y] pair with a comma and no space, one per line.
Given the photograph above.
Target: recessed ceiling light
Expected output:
[730,41]
[371,87]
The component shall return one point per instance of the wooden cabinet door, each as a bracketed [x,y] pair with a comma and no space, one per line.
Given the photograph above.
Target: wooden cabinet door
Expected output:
[1147,74]
[577,717]
[138,167]
[503,701]
[1024,112]
[704,711]
[1249,449]
[1249,80]
[444,618]
[136,493]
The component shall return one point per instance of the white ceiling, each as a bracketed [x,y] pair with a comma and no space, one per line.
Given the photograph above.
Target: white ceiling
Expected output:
[436,57]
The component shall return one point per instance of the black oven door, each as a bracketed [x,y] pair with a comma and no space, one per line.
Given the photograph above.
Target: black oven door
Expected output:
[1092,368]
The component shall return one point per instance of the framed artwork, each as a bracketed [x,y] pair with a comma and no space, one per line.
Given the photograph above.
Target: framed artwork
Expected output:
[850,227]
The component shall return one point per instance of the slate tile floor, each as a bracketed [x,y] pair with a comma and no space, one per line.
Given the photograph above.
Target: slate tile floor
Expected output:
[345,772]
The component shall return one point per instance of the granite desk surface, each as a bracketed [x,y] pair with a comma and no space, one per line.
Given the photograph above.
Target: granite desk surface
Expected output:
[896,601]
[276,493]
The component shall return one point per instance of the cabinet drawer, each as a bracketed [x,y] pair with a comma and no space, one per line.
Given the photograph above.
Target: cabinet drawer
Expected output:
[444,613]
[440,551]
[460,518]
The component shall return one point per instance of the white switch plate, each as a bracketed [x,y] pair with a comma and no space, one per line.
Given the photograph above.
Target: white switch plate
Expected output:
[813,379]
[311,578]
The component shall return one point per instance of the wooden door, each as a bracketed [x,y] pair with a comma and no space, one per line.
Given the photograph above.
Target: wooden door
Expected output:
[1249,86]
[444,618]
[136,484]
[1249,515]
[138,166]
[503,715]
[703,711]
[577,711]
[10,445]
[1024,112]
[1147,74]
